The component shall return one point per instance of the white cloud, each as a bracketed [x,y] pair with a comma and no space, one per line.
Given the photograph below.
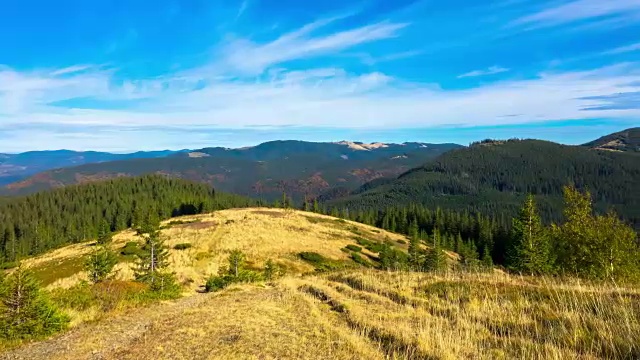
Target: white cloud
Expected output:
[625,49]
[578,10]
[490,71]
[330,98]
[252,58]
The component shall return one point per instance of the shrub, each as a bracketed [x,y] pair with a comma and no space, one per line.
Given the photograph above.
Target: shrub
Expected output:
[182,246]
[360,260]
[353,248]
[9,265]
[272,270]
[320,262]
[234,273]
[312,257]
[130,248]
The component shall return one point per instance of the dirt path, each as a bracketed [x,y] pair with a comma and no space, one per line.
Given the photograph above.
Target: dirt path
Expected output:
[243,322]
[97,340]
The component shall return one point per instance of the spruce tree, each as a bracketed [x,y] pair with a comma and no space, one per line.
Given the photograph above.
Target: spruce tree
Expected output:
[531,248]
[100,264]
[25,311]
[236,262]
[487,260]
[153,259]
[435,260]
[104,234]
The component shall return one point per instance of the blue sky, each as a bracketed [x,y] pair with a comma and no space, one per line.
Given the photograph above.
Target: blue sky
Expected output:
[124,75]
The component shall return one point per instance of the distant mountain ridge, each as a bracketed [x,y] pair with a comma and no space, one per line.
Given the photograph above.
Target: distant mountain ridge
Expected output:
[626,140]
[14,167]
[298,168]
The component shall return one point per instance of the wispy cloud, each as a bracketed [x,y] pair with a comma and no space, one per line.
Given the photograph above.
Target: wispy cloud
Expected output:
[578,10]
[625,49]
[243,7]
[489,71]
[253,58]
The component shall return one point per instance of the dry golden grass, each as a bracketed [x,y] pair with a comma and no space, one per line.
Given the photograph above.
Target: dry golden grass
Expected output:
[261,233]
[352,314]
[368,314]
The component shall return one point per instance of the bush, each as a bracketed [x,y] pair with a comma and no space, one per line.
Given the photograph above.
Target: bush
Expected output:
[235,273]
[372,246]
[182,246]
[130,248]
[9,265]
[320,262]
[360,260]
[353,248]
[312,257]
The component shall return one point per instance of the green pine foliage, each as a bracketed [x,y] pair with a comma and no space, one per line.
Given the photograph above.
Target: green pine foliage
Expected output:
[531,248]
[236,272]
[99,265]
[435,259]
[153,259]
[43,221]
[104,234]
[25,311]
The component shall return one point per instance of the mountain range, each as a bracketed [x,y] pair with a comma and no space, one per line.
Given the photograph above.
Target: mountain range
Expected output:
[15,167]
[300,169]
[490,176]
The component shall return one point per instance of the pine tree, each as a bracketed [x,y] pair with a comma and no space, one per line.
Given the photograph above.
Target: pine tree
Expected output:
[271,270]
[415,254]
[100,264]
[436,260]
[236,262]
[104,234]
[26,312]
[531,249]
[487,260]
[152,260]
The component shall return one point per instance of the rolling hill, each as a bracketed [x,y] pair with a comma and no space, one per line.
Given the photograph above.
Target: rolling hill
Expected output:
[298,168]
[15,167]
[348,313]
[494,176]
[626,141]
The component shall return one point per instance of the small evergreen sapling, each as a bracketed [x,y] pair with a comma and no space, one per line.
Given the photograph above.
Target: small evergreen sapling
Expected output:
[25,312]
[100,264]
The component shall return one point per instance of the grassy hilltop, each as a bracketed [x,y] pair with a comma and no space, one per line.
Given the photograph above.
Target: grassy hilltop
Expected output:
[347,311]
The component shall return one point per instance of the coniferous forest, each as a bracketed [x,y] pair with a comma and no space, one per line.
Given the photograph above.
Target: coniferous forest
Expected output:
[36,223]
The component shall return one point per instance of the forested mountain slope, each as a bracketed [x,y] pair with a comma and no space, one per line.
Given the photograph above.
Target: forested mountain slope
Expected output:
[265,171]
[47,220]
[626,140]
[14,167]
[493,176]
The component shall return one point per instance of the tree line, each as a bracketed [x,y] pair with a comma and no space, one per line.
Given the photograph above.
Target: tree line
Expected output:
[582,243]
[43,221]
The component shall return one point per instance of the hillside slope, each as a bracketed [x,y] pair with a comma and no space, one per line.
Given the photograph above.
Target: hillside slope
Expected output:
[494,176]
[299,168]
[626,140]
[261,233]
[364,314]
[348,313]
